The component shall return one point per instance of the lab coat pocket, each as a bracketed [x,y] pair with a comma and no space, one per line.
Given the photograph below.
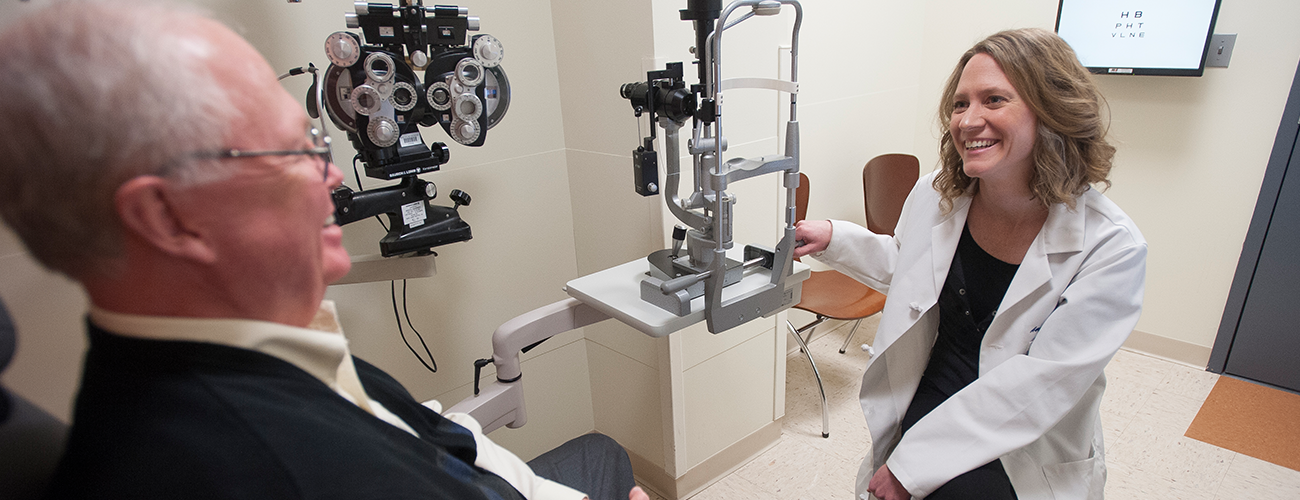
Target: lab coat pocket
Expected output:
[1075,480]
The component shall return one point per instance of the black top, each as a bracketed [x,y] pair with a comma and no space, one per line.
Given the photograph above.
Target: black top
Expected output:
[967,304]
[168,419]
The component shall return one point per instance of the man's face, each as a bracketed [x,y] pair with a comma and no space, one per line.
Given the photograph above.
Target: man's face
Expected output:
[271,222]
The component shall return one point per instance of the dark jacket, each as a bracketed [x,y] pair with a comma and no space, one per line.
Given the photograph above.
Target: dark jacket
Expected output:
[166,420]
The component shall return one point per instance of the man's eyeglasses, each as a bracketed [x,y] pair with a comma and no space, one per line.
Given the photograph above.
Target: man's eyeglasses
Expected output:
[320,150]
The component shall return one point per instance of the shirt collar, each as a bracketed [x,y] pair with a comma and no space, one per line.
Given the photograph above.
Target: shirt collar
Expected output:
[318,350]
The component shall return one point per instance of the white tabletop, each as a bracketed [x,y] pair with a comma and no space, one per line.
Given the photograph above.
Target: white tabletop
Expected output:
[617,292]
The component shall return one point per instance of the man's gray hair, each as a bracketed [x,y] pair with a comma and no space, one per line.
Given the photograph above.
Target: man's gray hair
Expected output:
[93,94]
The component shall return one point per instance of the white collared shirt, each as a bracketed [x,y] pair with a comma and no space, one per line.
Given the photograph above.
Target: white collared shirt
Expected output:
[320,350]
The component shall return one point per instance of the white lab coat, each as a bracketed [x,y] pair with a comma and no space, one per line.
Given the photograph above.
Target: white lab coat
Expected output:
[1073,302]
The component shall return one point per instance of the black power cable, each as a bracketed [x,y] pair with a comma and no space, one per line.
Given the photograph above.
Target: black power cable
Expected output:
[400,331]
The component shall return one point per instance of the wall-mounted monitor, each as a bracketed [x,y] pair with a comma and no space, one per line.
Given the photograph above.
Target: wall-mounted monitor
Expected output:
[1139,37]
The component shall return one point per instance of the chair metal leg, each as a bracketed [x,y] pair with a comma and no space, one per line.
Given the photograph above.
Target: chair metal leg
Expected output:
[810,328]
[826,419]
[850,337]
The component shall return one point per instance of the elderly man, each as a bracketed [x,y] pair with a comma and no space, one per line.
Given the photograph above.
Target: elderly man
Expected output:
[150,154]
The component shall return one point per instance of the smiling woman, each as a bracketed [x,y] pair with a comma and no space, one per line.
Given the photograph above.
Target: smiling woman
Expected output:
[991,125]
[1011,284]
[1070,152]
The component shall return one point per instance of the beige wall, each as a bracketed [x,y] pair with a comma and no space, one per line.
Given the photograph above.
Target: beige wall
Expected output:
[599,46]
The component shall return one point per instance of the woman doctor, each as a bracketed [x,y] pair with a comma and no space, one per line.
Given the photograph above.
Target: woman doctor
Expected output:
[1011,283]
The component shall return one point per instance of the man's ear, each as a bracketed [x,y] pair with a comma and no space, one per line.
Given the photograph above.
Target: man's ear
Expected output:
[146,205]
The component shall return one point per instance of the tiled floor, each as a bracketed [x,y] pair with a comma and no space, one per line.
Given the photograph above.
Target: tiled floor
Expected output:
[1149,404]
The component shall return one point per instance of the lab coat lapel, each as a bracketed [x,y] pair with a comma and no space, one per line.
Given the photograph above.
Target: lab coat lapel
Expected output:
[944,237]
[1062,232]
[921,293]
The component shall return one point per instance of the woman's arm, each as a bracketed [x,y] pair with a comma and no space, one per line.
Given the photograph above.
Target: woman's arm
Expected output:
[861,254]
[857,252]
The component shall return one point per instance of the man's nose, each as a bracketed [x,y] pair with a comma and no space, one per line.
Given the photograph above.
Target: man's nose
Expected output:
[333,175]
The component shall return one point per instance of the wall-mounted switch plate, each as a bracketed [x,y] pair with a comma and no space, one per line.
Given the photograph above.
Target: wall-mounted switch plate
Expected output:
[1220,50]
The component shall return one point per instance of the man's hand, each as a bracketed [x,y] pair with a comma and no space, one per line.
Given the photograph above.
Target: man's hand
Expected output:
[637,494]
[886,487]
[815,235]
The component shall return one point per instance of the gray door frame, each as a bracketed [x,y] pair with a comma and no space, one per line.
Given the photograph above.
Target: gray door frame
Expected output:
[1271,186]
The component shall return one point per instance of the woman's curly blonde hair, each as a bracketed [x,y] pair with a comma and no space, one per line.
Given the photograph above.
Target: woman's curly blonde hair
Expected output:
[1071,152]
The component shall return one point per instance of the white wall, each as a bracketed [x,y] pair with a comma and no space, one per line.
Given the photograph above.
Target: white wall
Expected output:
[600,45]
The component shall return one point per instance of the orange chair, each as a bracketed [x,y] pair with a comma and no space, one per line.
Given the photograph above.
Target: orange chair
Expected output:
[886,181]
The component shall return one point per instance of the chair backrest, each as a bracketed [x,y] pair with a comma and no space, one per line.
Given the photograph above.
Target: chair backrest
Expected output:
[31,440]
[886,181]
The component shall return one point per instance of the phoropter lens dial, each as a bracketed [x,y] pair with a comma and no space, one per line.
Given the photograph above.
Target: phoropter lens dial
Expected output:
[467,107]
[469,72]
[383,131]
[365,100]
[379,67]
[488,50]
[439,95]
[342,49]
[404,97]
